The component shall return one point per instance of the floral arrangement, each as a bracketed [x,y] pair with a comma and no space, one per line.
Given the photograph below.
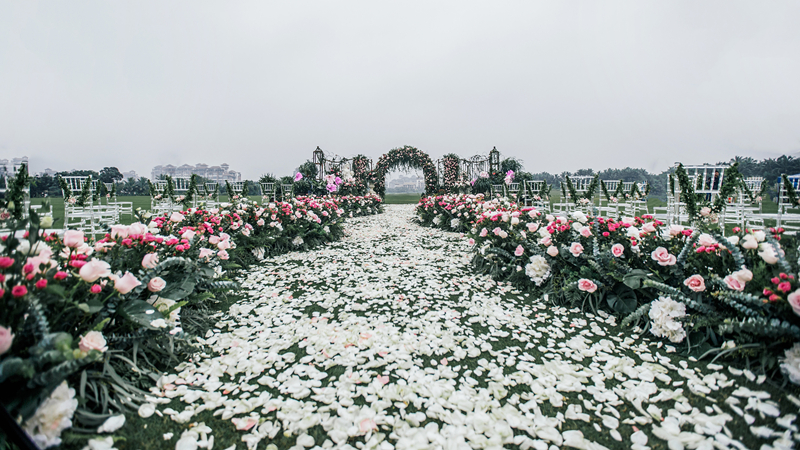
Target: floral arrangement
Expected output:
[450,171]
[87,325]
[405,158]
[735,296]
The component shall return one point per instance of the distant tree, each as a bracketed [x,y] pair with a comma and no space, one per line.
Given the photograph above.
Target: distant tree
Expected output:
[45,186]
[110,175]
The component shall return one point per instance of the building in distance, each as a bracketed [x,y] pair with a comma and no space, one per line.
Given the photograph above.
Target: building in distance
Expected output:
[220,173]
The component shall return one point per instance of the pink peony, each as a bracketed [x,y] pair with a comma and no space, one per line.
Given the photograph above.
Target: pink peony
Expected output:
[222,254]
[617,250]
[587,285]
[205,253]
[576,249]
[156,284]
[6,339]
[793,299]
[552,251]
[73,238]
[695,283]
[150,261]
[663,257]
[126,283]
[213,240]
[94,269]
[93,340]
[519,251]
[734,283]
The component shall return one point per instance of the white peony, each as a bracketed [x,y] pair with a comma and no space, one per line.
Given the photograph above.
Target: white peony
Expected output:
[663,313]
[538,270]
[454,223]
[790,365]
[52,417]
[437,220]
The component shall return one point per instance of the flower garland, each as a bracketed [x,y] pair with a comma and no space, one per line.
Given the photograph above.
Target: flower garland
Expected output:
[406,157]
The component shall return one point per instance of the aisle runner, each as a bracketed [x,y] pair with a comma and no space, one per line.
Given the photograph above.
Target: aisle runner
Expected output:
[387,340]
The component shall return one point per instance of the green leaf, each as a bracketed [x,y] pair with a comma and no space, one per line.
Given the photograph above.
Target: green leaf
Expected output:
[178,290]
[622,299]
[634,278]
[140,311]
[55,289]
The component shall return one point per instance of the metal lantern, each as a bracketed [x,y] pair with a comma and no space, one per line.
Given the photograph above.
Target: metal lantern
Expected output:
[494,160]
[319,161]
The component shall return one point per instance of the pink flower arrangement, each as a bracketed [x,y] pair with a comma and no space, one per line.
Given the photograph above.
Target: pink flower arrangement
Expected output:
[696,283]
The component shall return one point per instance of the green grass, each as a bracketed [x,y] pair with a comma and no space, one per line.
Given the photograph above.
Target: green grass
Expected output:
[401,199]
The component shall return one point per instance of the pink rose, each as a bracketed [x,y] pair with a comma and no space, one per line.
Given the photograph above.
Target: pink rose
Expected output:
[705,211]
[519,251]
[471,241]
[649,227]
[205,253]
[73,238]
[93,340]
[224,245]
[6,339]
[260,222]
[675,230]
[706,240]
[552,251]
[94,269]
[484,232]
[224,236]
[213,240]
[497,231]
[587,285]
[119,231]
[695,283]
[576,249]
[126,283]
[176,217]
[663,257]
[743,275]
[150,261]
[156,284]
[586,231]
[617,250]
[222,254]
[793,299]
[532,226]
[137,228]
[733,283]
[547,240]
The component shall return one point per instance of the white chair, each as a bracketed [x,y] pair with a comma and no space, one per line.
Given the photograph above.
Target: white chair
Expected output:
[85,217]
[287,191]
[268,191]
[160,202]
[512,189]
[531,195]
[498,190]
[788,216]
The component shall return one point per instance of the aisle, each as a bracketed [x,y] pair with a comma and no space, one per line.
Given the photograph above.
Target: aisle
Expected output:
[388,340]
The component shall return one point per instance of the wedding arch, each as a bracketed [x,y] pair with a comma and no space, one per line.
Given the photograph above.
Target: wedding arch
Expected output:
[404,158]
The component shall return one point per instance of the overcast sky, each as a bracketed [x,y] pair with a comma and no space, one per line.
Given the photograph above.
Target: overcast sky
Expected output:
[561,85]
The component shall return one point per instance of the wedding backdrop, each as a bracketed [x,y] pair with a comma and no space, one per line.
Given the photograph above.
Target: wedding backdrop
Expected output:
[494,312]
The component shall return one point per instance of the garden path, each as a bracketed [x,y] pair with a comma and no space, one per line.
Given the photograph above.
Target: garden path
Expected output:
[387,339]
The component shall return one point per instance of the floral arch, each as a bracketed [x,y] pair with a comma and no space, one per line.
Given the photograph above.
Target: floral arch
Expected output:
[406,157]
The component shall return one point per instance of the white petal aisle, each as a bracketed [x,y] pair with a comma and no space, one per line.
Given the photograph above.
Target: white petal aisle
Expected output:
[388,340]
